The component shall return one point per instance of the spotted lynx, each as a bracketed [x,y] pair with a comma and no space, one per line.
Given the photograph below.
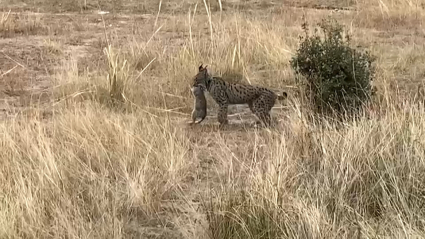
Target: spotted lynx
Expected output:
[199,105]
[259,99]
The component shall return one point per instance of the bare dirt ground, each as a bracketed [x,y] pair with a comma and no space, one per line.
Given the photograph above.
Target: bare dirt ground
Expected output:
[73,167]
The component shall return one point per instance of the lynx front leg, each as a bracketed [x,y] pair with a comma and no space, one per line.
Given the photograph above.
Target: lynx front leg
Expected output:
[222,114]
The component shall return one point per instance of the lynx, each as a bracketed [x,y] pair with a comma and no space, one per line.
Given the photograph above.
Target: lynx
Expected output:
[259,99]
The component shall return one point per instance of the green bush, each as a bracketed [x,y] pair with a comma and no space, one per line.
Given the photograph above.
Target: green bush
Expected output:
[336,77]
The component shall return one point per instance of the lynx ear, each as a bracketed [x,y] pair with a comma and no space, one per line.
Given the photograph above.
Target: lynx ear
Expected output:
[200,67]
[205,70]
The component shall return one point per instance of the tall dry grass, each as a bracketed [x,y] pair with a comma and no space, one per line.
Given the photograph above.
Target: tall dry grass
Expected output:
[12,24]
[389,15]
[116,161]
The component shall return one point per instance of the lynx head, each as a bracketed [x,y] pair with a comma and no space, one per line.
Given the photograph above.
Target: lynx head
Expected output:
[201,78]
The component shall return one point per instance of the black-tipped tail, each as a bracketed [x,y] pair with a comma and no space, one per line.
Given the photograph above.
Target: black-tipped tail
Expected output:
[283,96]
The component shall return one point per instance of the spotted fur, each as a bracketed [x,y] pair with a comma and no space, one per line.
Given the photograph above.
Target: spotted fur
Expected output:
[259,99]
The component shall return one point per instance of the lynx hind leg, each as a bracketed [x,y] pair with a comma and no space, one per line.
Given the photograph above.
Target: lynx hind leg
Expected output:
[263,117]
[261,107]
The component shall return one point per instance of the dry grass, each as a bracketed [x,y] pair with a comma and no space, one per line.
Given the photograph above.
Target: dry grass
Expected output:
[391,15]
[12,24]
[109,155]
